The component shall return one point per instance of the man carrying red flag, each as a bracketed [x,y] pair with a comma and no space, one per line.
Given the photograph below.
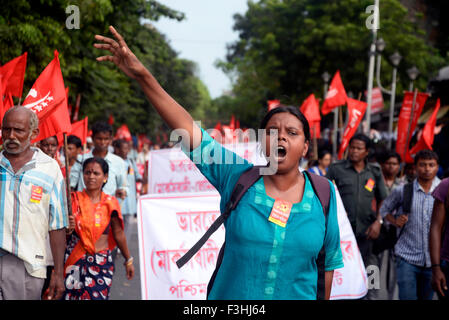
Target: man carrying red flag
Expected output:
[336,95]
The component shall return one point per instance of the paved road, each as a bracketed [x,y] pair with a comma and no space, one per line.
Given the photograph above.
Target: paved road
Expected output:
[122,288]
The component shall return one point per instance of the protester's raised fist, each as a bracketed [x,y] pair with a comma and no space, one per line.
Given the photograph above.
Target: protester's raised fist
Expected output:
[121,56]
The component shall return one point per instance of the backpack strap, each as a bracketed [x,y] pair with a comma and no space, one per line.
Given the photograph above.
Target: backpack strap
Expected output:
[407,198]
[321,187]
[246,180]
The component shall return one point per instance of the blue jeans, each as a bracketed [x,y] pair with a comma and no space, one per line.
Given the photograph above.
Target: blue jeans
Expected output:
[414,282]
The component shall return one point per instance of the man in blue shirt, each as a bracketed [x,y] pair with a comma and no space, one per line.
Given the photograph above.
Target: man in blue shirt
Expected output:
[413,264]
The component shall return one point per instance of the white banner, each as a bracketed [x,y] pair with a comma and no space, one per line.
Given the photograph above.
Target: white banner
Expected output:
[181,206]
[168,226]
[171,171]
[350,282]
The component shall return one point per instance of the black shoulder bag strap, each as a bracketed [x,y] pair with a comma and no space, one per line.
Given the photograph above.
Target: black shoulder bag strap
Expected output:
[321,188]
[407,201]
[246,180]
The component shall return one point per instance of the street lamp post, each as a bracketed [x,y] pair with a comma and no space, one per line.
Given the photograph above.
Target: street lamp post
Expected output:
[413,73]
[372,56]
[395,60]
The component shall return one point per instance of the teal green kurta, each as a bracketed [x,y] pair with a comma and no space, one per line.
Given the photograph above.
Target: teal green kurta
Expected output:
[263,260]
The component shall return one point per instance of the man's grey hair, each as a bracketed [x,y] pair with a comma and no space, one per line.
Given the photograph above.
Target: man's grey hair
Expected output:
[34,120]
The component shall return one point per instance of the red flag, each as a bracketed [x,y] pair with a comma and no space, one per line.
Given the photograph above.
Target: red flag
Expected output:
[228,134]
[123,133]
[404,122]
[216,132]
[111,120]
[142,139]
[79,129]
[77,108]
[336,95]
[48,91]
[273,104]
[356,111]
[48,99]
[311,110]
[232,123]
[8,102]
[428,133]
[2,109]
[13,73]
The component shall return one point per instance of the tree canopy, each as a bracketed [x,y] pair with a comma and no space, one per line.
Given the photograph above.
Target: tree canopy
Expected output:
[285,46]
[39,27]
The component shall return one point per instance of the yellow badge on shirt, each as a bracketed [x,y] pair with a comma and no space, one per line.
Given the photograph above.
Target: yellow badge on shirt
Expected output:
[369,185]
[280,212]
[36,194]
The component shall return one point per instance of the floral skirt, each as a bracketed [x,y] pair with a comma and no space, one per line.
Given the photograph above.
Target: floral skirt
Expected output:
[91,276]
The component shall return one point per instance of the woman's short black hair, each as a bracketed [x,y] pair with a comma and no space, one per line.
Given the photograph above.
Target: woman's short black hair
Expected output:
[103,164]
[292,110]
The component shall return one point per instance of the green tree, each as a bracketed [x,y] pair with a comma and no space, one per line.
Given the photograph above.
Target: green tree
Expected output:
[39,27]
[285,45]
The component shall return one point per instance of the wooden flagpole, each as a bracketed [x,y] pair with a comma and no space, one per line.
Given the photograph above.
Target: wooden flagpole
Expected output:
[67,176]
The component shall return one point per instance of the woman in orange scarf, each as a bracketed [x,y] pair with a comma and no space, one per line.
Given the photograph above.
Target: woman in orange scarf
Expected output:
[97,226]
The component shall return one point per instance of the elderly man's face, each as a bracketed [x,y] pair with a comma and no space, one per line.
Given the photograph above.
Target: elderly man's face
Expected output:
[16,132]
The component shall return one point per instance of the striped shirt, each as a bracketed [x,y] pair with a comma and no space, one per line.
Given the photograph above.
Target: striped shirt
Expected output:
[413,245]
[32,203]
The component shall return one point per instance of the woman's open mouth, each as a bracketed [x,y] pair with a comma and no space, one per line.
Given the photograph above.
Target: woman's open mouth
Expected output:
[281,153]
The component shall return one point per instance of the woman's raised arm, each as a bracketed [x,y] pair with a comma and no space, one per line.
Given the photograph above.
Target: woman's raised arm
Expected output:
[172,112]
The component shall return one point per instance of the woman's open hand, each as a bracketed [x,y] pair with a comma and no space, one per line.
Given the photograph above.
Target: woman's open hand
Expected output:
[121,56]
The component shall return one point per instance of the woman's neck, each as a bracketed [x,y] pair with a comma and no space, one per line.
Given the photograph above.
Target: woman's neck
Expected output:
[285,181]
[94,195]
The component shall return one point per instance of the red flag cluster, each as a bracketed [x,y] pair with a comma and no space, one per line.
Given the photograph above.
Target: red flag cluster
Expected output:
[428,133]
[47,97]
[123,133]
[227,134]
[408,118]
